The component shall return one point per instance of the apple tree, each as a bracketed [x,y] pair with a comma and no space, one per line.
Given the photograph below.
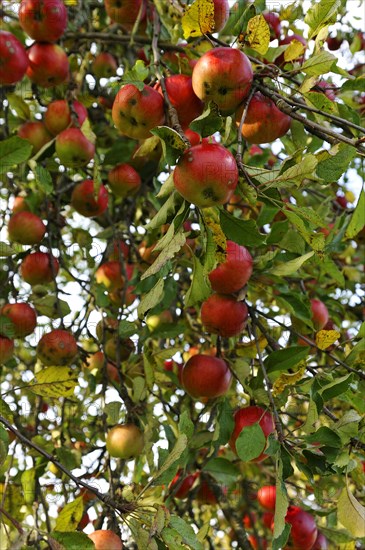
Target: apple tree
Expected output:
[182,243]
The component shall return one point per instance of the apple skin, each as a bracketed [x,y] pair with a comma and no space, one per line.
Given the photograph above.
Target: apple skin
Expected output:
[124,12]
[48,64]
[104,65]
[206,376]
[206,175]
[273,20]
[110,275]
[83,199]
[124,441]
[334,43]
[36,268]
[231,275]
[321,542]
[319,314]
[26,228]
[104,539]
[223,315]
[36,133]
[118,247]
[6,349]
[126,348]
[124,180]
[181,95]
[303,532]
[267,519]
[264,122]
[204,494]
[223,75]
[221,14]
[58,115]
[96,362]
[136,112]
[57,348]
[13,59]
[20,205]
[184,486]
[248,416]
[73,148]
[22,316]
[266,497]
[43,20]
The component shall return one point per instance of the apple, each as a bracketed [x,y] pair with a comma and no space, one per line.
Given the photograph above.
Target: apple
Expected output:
[321,542]
[73,148]
[204,494]
[110,275]
[267,519]
[59,115]
[248,416]
[136,112]
[106,328]
[257,544]
[85,201]
[266,497]
[221,14]
[124,12]
[48,64]
[319,314]
[117,248]
[181,95]
[184,484]
[273,20]
[206,376]
[13,59]
[84,521]
[223,315]
[104,65]
[124,180]
[36,268]
[36,133]
[232,274]
[206,175]
[334,42]
[104,539]
[57,348]
[96,362]
[328,89]
[223,75]
[20,205]
[288,40]
[264,122]
[124,441]
[115,345]
[6,349]
[303,532]
[157,321]
[26,228]
[22,317]
[43,20]
[341,201]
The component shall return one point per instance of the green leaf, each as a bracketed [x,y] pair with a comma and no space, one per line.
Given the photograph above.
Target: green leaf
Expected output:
[173,144]
[251,442]
[351,513]
[288,268]
[281,531]
[28,485]
[171,248]
[295,174]
[321,102]
[357,221]
[6,250]
[336,388]
[55,382]
[357,352]
[239,18]
[167,210]
[167,187]
[67,458]
[320,14]
[136,75]
[319,64]
[51,307]
[208,122]
[14,151]
[325,436]
[186,532]
[20,106]
[200,288]
[4,444]
[243,232]
[43,178]
[357,84]
[186,425]
[225,423]
[315,240]
[126,328]
[298,305]
[334,163]
[121,151]
[222,470]
[179,447]
[285,359]
[152,298]
[71,541]
[70,516]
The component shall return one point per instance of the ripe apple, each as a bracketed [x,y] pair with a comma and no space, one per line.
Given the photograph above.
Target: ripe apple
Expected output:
[36,133]
[84,521]
[110,275]
[273,20]
[6,349]
[124,12]
[206,376]
[206,175]
[43,20]
[264,122]
[321,542]
[104,539]
[13,59]
[118,247]
[334,42]
[48,64]
[136,112]
[267,519]
[223,75]
[266,496]
[184,483]
[341,200]
[319,314]
[57,348]
[124,441]
[26,228]
[104,65]
[36,268]
[248,416]
[303,532]
[223,315]
[232,274]
[221,14]
[23,318]
[85,202]
[204,494]
[124,180]
[20,205]
[59,115]
[73,148]
[181,95]
[96,362]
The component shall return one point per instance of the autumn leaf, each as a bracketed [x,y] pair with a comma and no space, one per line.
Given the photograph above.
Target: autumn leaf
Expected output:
[287,379]
[325,338]
[258,34]
[198,18]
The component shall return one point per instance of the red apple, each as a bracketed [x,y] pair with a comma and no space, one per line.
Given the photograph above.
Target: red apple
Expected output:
[223,315]
[43,20]
[206,175]
[57,348]
[181,95]
[205,495]
[328,89]
[59,115]
[334,42]
[184,483]
[26,228]
[85,201]
[321,542]
[124,441]
[223,75]
[221,14]
[20,205]
[303,532]
[6,349]
[23,318]
[124,180]
[104,65]
[48,64]
[267,519]
[110,275]
[104,539]
[119,247]
[273,20]
[124,12]
[36,133]
[231,275]
[13,59]
[341,200]
[84,521]
[248,416]
[266,496]
[319,314]
[36,268]
[264,122]
[206,376]
[73,148]
[97,360]
[136,112]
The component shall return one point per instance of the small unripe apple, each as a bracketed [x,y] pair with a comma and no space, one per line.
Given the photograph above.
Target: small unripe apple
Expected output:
[48,64]
[36,133]
[13,59]
[59,115]
[104,539]
[334,42]
[106,328]
[223,315]
[248,416]
[85,202]
[73,148]
[232,274]
[22,317]
[36,268]
[319,314]
[26,228]
[57,348]
[43,20]
[6,349]
[104,65]
[124,180]
[124,441]
[155,321]
[206,376]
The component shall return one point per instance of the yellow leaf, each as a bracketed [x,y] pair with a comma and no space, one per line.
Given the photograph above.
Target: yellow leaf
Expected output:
[198,18]
[55,382]
[325,338]
[294,50]
[87,131]
[351,513]
[71,2]
[70,516]
[258,34]
[346,545]
[212,221]
[287,379]
[249,349]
